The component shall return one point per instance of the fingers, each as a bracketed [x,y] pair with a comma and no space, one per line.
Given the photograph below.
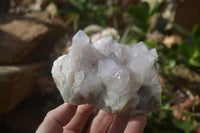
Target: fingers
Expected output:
[136,124]
[74,119]
[125,124]
[57,118]
[79,120]
[101,122]
[63,113]
[119,124]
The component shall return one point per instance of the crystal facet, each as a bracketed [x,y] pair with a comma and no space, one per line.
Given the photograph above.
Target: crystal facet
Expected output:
[114,77]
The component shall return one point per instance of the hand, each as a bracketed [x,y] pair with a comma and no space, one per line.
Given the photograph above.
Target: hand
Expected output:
[68,118]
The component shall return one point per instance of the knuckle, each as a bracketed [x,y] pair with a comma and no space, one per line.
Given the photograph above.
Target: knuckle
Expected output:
[86,110]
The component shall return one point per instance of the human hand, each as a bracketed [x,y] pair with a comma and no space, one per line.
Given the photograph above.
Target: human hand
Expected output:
[69,118]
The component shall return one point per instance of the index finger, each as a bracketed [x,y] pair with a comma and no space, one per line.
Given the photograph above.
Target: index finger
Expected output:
[57,118]
[62,114]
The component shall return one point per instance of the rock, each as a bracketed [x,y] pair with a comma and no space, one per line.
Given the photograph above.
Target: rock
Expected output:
[17,83]
[111,76]
[28,38]
[52,9]
[96,32]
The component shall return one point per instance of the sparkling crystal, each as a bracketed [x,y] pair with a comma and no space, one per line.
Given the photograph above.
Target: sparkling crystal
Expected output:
[114,77]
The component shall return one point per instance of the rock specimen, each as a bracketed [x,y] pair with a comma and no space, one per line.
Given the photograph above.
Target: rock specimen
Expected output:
[111,76]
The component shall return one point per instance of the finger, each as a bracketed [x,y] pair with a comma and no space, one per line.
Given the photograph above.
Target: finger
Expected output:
[57,118]
[101,122]
[119,124]
[79,120]
[136,124]
[62,114]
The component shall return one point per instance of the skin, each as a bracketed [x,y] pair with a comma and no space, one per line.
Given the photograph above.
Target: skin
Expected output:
[69,118]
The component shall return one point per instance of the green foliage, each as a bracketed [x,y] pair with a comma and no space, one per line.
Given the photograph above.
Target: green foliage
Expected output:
[156,8]
[81,13]
[77,3]
[160,122]
[187,125]
[140,15]
[191,48]
[188,53]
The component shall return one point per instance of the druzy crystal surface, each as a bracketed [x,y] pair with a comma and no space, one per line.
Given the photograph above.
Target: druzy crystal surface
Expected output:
[113,77]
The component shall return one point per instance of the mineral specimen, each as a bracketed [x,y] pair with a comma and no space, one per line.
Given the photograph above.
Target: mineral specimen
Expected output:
[114,77]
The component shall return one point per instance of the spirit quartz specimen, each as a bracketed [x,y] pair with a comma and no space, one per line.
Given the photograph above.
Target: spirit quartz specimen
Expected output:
[114,77]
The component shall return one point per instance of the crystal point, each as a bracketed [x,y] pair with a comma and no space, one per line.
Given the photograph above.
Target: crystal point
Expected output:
[114,77]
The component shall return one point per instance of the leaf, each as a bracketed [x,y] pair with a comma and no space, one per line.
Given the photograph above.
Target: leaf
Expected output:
[186,49]
[172,63]
[77,3]
[162,115]
[195,59]
[187,125]
[140,14]
[72,18]
[196,35]
[191,49]
[138,30]
[156,8]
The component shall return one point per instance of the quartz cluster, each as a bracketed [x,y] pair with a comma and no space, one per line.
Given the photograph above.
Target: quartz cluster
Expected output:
[114,77]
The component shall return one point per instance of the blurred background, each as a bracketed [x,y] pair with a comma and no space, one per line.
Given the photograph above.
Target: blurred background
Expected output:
[33,33]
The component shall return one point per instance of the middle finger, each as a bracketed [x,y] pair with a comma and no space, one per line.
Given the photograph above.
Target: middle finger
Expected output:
[101,122]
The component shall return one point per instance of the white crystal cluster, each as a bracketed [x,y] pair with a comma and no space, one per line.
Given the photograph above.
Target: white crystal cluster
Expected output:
[109,75]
